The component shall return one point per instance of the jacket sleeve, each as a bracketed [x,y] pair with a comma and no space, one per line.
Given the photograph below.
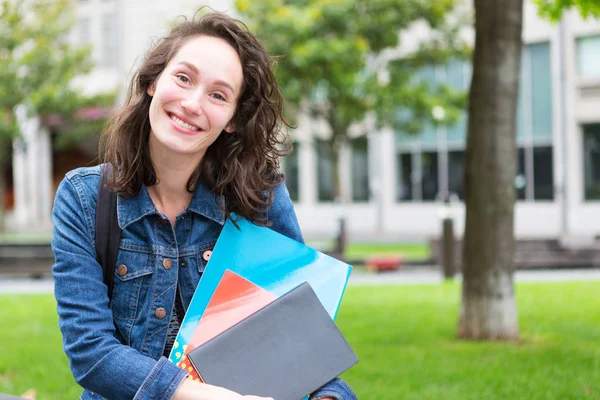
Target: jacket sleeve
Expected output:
[283,219]
[281,215]
[98,361]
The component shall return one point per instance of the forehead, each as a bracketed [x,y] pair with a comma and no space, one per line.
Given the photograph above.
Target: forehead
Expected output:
[213,57]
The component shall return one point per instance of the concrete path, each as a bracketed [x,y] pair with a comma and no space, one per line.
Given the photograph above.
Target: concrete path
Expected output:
[26,286]
[433,275]
[405,276]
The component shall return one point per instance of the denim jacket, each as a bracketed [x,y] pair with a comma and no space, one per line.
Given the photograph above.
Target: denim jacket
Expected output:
[115,350]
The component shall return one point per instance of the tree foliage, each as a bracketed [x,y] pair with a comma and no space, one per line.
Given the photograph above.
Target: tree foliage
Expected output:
[38,65]
[553,9]
[333,59]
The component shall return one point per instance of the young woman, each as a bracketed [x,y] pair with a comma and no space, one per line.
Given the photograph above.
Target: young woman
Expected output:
[196,140]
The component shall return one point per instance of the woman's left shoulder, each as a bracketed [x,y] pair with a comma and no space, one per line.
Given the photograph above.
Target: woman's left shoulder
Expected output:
[281,216]
[281,199]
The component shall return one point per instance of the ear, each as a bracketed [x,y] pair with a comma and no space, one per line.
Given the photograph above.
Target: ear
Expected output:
[230,128]
[151,90]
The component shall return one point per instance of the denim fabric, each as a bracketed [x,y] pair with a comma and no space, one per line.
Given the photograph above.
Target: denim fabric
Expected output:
[115,351]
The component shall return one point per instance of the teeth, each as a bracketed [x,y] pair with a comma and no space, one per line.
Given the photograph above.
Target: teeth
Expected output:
[184,124]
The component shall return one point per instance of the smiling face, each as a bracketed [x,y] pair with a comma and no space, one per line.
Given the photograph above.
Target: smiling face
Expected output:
[195,97]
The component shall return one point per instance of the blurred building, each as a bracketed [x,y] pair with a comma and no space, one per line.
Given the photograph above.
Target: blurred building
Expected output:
[393,181]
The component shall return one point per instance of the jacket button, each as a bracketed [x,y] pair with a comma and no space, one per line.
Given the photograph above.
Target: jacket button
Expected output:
[122,270]
[167,263]
[160,313]
[206,255]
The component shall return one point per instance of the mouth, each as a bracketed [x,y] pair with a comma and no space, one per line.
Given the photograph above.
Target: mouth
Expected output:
[178,121]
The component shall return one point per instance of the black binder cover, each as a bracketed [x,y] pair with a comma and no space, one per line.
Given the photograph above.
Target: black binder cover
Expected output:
[286,350]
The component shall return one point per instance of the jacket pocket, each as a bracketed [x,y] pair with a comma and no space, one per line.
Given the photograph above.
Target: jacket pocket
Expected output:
[203,255]
[133,279]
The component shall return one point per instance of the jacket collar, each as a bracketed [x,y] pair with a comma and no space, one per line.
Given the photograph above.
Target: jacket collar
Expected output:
[204,202]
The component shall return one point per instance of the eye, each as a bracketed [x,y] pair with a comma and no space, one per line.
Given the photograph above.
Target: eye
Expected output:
[182,78]
[218,96]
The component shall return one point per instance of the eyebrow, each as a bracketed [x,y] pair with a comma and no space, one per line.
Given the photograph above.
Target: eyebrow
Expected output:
[195,70]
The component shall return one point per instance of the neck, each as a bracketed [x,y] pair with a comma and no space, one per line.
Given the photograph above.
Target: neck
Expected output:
[169,194]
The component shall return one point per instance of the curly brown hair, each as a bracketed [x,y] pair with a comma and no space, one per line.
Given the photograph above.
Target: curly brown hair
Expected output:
[243,167]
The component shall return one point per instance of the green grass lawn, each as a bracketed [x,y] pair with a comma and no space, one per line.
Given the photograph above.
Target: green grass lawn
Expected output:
[410,251]
[26,237]
[404,337]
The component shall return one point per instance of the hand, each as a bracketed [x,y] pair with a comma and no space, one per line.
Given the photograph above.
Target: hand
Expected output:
[191,390]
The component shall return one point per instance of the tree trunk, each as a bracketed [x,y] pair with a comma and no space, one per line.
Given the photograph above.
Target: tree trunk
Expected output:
[488,300]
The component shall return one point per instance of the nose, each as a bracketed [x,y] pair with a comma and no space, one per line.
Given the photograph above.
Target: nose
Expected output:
[194,102]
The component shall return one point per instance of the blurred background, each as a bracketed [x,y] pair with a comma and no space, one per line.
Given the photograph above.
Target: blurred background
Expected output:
[389,181]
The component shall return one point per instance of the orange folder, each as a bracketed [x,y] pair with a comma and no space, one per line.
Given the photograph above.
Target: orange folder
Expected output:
[234,299]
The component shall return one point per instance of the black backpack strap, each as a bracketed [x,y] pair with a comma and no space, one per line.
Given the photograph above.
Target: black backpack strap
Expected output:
[108,233]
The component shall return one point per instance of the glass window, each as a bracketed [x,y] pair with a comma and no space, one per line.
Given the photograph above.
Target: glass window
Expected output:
[541,92]
[588,56]
[522,103]
[360,169]
[291,172]
[429,175]
[457,132]
[109,40]
[404,190]
[456,160]
[457,78]
[428,134]
[324,171]
[534,104]
[404,139]
[427,75]
[455,75]
[543,182]
[591,159]
[521,178]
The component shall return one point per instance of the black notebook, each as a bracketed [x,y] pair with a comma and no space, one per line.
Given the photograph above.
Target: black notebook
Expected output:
[286,350]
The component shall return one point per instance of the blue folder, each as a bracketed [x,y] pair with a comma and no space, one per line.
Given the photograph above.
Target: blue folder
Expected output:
[267,259]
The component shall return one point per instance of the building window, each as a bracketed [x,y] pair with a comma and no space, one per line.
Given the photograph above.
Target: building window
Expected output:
[292,173]
[534,109]
[429,176]
[536,182]
[543,180]
[591,160]
[458,77]
[456,162]
[110,29]
[360,169]
[521,178]
[324,171]
[588,56]
[433,160]
[541,90]
[404,190]
[418,177]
